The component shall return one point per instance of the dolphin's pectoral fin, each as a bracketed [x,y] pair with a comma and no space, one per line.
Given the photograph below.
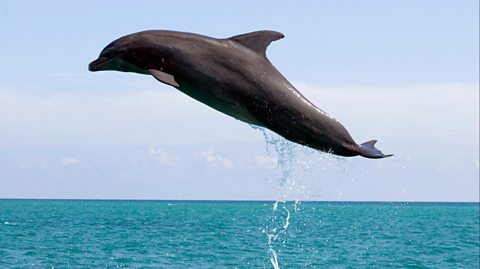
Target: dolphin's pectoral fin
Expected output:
[164,77]
[257,41]
[368,150]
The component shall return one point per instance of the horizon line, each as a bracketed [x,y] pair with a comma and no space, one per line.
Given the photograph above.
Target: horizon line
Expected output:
[236,200]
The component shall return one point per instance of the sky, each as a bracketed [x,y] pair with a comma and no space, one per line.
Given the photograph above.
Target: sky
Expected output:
[403,72]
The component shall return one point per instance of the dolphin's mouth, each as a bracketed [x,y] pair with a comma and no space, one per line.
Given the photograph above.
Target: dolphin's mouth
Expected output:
[97,64]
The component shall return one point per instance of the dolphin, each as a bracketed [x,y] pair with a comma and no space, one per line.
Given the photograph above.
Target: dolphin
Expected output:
[233,76]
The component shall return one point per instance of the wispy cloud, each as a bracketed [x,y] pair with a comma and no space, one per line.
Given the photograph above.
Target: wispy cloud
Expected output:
[215,160]
[111,118]
[420,114]
[69,161]
[266,162]
[431,129]
[162,155]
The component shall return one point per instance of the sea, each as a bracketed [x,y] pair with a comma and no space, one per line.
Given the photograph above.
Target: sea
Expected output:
[237,234]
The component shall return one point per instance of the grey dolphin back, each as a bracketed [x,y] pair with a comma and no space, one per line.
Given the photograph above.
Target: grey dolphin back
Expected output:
[258,41]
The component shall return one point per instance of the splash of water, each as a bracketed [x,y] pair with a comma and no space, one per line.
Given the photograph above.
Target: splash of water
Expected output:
[278,227]
[280,218]
[293,162]
[284,149]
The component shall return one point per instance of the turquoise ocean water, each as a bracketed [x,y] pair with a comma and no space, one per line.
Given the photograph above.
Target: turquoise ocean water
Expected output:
[224,234]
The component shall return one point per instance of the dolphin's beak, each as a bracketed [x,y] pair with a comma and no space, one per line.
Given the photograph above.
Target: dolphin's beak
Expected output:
[97,64]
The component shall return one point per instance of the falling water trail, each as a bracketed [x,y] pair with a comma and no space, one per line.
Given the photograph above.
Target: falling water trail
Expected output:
[281,215]
[293,161]
[279,225]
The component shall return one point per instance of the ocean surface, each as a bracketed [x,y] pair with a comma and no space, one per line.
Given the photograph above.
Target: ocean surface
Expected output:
[226,234]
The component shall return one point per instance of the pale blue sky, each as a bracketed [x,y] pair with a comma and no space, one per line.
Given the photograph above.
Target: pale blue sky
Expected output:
[402,72]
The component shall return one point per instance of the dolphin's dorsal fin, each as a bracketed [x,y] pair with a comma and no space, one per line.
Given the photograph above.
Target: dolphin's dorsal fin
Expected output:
[257,41]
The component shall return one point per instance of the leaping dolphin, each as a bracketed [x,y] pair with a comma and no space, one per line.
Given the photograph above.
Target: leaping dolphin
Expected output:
[233,76]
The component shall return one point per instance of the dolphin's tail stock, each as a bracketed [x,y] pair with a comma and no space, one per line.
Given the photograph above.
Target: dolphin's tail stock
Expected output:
[368,150]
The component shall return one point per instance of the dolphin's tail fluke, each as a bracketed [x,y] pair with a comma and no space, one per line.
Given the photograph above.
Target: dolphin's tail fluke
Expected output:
[368,150]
